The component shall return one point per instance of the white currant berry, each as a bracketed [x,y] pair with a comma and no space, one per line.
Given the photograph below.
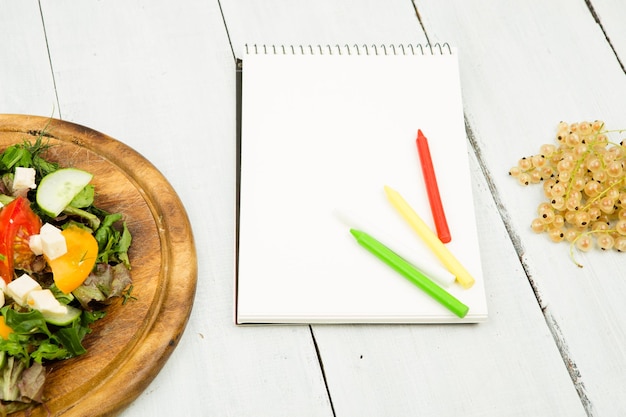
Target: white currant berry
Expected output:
[547,150]
[597,125]
[537,225]
[524,164]
[523,178]
[556,234]
[620,227]
[605,241]
[584,242]
[620,244]
[571,234]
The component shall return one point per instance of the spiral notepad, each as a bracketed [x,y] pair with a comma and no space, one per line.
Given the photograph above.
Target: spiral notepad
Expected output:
[326,127]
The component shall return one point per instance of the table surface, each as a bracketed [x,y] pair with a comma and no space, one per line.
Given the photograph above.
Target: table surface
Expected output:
[159,75]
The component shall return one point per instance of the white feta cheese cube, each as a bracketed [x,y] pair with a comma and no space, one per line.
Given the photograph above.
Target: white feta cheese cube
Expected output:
[52,241]
[24,178]
[44,301]
[34,242]
[19,288]
[48,228]
[2,300]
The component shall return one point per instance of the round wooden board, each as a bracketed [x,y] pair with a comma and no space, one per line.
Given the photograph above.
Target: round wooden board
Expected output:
[127,348]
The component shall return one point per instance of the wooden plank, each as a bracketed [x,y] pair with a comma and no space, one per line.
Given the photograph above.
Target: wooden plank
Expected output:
[331,23]
[611,15]
[26,83]
[161,78]
[508,366]
[526,67]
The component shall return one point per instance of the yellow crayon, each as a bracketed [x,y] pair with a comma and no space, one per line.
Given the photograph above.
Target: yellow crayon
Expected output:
[430,238]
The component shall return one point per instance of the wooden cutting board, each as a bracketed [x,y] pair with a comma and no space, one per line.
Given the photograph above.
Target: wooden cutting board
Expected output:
[130,345]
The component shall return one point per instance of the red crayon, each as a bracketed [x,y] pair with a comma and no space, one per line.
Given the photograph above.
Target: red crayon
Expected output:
[439,216]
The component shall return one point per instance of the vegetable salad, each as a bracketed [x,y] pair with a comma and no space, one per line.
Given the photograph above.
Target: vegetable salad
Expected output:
[62,260]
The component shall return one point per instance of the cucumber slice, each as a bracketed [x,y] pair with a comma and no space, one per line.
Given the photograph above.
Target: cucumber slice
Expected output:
[57,189]
[72,314]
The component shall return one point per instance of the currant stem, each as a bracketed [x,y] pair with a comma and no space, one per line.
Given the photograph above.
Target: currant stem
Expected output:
[573,242]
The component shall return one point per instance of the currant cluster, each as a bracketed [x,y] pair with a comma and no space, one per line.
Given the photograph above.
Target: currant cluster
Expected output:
[584,182]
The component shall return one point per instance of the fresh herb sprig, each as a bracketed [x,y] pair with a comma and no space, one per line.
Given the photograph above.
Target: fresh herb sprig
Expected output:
[28,155]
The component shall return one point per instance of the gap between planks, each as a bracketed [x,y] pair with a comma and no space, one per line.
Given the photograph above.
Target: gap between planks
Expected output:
[551,322]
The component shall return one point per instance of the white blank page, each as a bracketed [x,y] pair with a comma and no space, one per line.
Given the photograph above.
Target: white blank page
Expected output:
[322,132]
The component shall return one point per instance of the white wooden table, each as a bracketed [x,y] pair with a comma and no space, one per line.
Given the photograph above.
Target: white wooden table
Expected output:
[160,76]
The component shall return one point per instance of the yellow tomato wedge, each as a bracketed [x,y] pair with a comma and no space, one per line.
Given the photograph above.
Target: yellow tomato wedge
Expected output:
[71,269]
[5,330]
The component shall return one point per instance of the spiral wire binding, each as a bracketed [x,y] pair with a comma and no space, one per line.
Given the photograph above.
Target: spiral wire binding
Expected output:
[355,49]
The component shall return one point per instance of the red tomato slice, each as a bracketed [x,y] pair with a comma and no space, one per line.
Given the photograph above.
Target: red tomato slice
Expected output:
[17,223]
